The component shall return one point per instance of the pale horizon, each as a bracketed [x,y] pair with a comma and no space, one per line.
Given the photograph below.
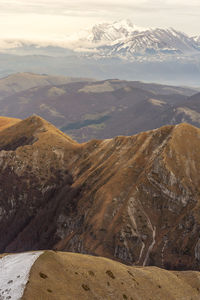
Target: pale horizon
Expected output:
[49,21]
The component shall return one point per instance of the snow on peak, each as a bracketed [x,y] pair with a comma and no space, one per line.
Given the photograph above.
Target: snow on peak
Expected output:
[128,25]
[14,274]
[112,32]
[197,39]
[150,43]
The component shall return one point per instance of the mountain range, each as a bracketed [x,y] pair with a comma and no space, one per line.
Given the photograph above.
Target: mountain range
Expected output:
[87,109]
[122,39]
[133,199]
[125,40]
[111,50]
[111,32]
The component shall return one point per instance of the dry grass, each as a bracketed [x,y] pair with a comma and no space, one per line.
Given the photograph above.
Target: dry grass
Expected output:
[7,122]
[67,276]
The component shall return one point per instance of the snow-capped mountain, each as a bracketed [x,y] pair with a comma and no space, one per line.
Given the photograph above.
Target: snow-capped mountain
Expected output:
[110,50]
[112,32]
[153,42]
[123,39]
[119,39]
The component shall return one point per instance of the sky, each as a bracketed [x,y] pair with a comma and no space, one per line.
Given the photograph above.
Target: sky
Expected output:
[55,20]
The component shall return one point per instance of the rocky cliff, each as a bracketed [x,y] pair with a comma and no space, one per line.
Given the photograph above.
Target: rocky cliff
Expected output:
[133,199]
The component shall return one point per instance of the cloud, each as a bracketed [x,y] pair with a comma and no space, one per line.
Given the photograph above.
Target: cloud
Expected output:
[92,6]
[50,19]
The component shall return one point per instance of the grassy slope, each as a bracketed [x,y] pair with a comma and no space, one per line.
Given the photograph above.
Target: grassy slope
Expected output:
[7,122]
[62,276]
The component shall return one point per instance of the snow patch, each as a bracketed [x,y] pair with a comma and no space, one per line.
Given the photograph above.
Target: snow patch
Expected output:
[14,274]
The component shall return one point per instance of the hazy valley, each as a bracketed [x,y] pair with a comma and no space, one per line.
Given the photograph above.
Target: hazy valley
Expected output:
[86,108]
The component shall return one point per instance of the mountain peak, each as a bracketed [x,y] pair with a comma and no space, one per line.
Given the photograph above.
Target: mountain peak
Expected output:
[187,130]
[125,40]
[29,131]
[129,25]
[124,22]
[113,31]
[37,120]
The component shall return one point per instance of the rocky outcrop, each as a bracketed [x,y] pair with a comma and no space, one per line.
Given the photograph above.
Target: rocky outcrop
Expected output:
[134,199]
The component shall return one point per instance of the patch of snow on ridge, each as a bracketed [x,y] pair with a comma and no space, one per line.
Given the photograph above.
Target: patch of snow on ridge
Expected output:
[14,274]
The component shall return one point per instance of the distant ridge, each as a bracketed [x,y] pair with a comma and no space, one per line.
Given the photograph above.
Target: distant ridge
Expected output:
[87,109]
[22,81]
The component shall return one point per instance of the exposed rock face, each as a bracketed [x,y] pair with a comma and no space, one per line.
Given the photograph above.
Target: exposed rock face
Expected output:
[134,199]
[32,174]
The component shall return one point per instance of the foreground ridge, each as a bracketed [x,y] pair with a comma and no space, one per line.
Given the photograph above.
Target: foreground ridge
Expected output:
[133,199]
[58,275]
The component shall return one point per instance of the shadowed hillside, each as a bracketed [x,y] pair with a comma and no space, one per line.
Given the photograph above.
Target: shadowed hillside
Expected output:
[19,82]
[87,109]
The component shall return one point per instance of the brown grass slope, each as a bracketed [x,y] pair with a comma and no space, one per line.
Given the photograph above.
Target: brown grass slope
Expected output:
[7,122]
[66,276]
[134,199]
